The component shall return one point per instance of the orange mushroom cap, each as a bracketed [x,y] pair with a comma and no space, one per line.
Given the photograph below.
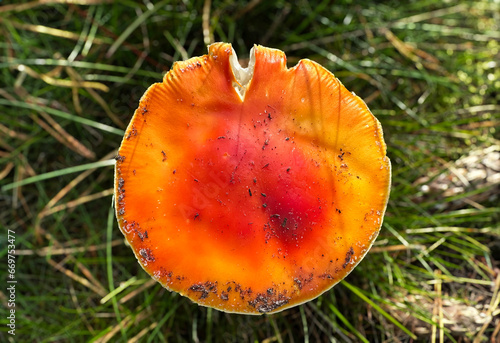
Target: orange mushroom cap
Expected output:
[251,190]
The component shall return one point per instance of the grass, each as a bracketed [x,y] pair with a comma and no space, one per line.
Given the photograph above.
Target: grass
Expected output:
[71,75]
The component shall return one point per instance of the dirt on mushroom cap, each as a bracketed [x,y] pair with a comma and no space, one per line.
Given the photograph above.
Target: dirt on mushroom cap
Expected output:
[257,203]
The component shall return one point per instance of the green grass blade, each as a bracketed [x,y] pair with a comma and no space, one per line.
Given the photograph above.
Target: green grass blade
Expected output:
[58,113]
[57,173]
[393,320]
[109,269]
[346,323]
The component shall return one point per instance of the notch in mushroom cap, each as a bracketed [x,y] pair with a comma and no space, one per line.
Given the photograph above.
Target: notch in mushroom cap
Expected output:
[251,190]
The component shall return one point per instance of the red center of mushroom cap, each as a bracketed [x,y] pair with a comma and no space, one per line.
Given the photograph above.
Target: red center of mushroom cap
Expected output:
[252,182]
[251,193]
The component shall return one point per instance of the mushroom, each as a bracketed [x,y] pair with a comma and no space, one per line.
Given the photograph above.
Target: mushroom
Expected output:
[250,190]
